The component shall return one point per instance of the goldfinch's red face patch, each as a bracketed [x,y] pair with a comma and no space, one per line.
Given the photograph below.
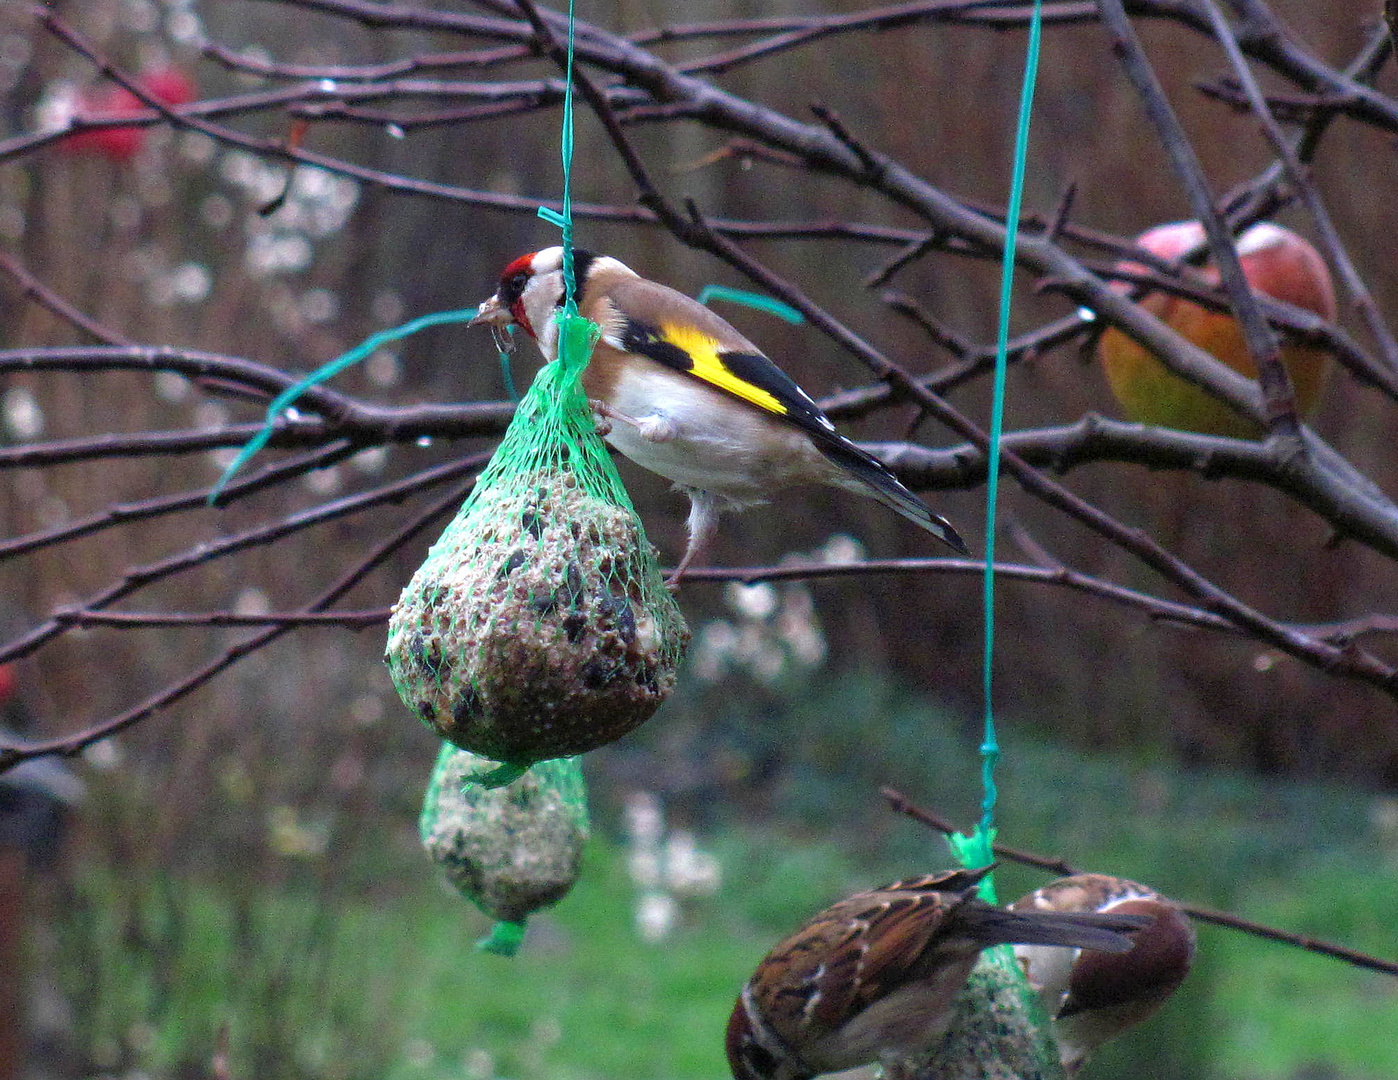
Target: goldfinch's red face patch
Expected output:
[511,294]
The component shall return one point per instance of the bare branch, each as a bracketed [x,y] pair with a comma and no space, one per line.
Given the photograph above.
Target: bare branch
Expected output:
[1279,397]
[1305,188]
[11,754]
[900,804]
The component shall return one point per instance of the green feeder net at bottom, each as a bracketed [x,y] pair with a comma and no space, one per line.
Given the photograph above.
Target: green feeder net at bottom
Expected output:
[999,1030]
[511,850]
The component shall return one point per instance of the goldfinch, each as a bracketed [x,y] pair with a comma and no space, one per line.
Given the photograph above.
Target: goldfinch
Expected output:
[1092,996]
[683,394]
[872,978]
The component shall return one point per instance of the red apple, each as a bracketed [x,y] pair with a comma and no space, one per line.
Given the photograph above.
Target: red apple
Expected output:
[1276,262]
[120,144]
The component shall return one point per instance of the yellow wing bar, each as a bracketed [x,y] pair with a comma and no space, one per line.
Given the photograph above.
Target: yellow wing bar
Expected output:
[707,363]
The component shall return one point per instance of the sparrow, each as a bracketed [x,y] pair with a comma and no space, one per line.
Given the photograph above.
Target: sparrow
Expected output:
[683,394]
[1093,996]
[872,977]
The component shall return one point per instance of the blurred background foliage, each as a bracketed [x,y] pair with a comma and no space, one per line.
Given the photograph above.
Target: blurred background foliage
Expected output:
[249,861]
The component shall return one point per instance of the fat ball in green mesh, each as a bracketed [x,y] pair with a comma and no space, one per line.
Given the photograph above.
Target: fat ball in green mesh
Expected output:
[539,625]
[999,1030]
[513,850]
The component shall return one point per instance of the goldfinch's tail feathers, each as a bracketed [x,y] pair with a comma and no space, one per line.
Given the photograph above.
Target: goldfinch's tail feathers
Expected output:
[868,476]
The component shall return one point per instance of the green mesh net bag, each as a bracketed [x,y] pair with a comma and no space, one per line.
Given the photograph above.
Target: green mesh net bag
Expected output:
[999,1030]
[512,850]
[539,626]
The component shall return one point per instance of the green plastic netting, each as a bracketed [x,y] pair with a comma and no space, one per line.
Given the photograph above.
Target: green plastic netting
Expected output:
[539,625]
[511,851]
[999,1030]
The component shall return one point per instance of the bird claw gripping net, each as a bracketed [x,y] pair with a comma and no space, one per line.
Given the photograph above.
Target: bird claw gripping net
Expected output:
[539,626]
[511,851]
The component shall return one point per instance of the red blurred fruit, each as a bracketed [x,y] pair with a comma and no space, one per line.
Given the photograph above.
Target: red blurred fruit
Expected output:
[120,144]
[1276,262]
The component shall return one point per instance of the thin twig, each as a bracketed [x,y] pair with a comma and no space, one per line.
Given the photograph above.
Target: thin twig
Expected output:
[1300,178]
[1279,397]
[137,578]
[901,804]
[11,755]
[45,297]
[1154,607]
[140,620]
[120,514]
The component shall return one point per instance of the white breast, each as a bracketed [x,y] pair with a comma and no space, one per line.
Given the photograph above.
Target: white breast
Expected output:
[721,445]
[1048,969]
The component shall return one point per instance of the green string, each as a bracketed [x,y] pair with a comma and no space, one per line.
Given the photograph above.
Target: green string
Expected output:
[287,397]
[565,220]
[770,305]
[978,851]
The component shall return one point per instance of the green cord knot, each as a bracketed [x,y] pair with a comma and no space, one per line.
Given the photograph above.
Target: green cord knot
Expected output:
[504,938]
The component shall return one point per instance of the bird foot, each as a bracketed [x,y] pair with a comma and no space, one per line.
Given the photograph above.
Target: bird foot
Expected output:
[656,429]
[673,581]
[602,423]
[703,525]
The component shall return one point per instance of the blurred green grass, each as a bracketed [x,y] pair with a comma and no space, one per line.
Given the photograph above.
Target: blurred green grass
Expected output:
[359,962]
[393,987]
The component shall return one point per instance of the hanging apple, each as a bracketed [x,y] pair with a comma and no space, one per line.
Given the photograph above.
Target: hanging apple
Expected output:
[1277,263]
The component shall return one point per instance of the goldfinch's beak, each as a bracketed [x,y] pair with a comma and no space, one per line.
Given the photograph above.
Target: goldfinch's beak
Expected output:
[502,324]
[492,313]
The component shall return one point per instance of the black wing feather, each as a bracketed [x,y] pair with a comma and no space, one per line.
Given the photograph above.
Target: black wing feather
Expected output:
[798,409]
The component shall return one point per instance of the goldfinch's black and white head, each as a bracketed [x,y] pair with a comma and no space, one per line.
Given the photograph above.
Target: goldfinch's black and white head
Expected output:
[682,393]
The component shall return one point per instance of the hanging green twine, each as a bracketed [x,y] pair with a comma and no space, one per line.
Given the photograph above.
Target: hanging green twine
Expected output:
[976,850]
[998,1029]
[565,220]
[284,401]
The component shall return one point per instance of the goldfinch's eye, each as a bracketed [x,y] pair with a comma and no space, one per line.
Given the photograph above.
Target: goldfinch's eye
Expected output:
[512,288]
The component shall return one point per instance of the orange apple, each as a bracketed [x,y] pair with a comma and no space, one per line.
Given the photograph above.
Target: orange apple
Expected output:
[1276,262]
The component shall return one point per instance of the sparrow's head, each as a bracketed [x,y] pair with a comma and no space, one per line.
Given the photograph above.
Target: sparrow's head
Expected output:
[750,1057]
[531,290]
